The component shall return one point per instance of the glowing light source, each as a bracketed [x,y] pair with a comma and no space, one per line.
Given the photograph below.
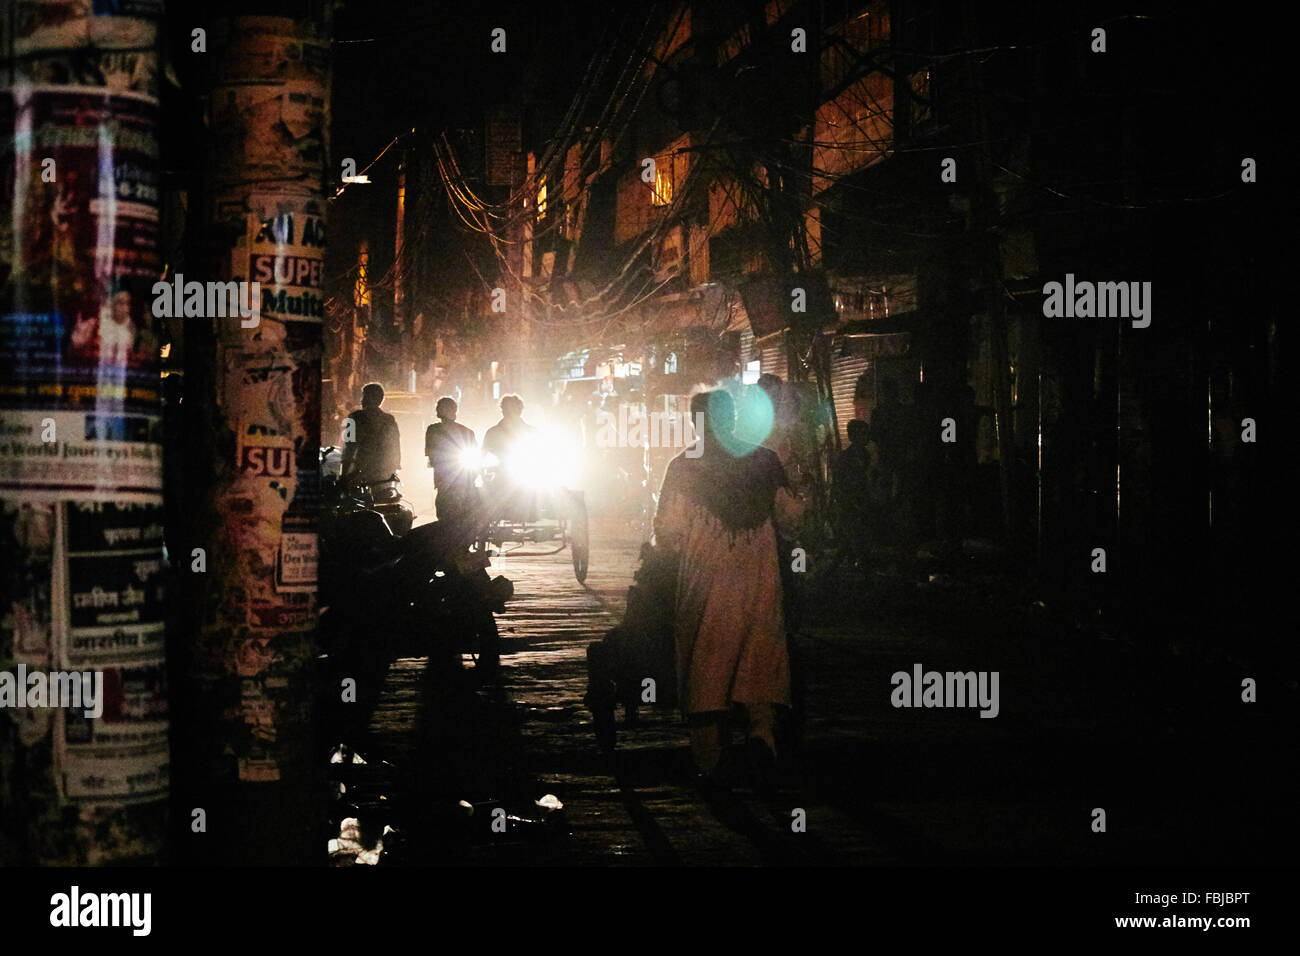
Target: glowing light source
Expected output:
[663,191]
[471,458]
[547,460]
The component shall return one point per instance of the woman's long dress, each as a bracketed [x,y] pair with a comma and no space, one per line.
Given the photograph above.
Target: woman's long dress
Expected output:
[716,512]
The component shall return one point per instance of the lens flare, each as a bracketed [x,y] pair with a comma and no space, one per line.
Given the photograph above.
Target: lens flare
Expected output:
[544,461]
[471,458]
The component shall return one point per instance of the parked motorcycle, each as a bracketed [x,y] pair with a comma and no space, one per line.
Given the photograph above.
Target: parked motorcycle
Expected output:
[389,591]
[384,497]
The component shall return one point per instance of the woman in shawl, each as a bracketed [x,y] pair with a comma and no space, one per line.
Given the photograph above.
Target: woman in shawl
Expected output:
[719,508]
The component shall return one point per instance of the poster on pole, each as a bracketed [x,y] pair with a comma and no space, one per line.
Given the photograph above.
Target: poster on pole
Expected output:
[286,257]
[78,342]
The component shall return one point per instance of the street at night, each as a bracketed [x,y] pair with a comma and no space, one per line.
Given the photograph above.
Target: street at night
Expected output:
[476,458]
[878,786]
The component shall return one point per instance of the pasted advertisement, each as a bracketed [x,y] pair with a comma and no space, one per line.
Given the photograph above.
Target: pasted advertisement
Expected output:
[79,387]
[27,533]
[81,590]
[286,255]
[271,114]
[92,43]
[296,570]
[98,456]
[269,389]
[111,555]
[274,122]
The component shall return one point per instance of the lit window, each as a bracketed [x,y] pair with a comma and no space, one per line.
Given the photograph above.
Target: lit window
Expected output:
[663,191]
[541,197]
[361,292]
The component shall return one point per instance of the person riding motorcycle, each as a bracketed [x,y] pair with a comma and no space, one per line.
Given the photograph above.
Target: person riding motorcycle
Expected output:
[371,441]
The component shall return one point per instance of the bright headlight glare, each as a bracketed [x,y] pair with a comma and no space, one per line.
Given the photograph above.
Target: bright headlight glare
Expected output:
[541,472]
[517,467]
[471,459]
[544,462]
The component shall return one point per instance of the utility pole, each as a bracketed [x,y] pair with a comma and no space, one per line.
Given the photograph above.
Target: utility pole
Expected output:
[984,206]
[81,526]
[404,345]
[254,384]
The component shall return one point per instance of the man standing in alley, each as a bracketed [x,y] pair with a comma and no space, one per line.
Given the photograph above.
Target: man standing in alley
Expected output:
[851,494]
[371,443]
[450,446]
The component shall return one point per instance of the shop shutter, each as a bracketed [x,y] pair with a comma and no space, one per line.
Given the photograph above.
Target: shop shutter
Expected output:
[773,358]
[845,372]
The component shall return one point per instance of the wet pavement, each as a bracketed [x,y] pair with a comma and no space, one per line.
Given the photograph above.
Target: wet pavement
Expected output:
[869,784]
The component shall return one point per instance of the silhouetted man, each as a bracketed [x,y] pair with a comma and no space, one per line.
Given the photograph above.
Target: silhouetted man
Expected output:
[447,444]
[371,443]
[509,433]
[508,436]
[893,433]
[850,491]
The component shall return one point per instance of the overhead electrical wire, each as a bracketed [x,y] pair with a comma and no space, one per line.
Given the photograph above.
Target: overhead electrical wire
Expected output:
[497,220]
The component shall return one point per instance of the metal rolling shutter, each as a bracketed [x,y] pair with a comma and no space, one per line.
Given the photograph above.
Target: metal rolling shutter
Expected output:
[845,371]
[773,358]
[747,350]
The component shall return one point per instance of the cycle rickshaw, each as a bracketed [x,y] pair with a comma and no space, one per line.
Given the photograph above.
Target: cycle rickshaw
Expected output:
[530,499]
